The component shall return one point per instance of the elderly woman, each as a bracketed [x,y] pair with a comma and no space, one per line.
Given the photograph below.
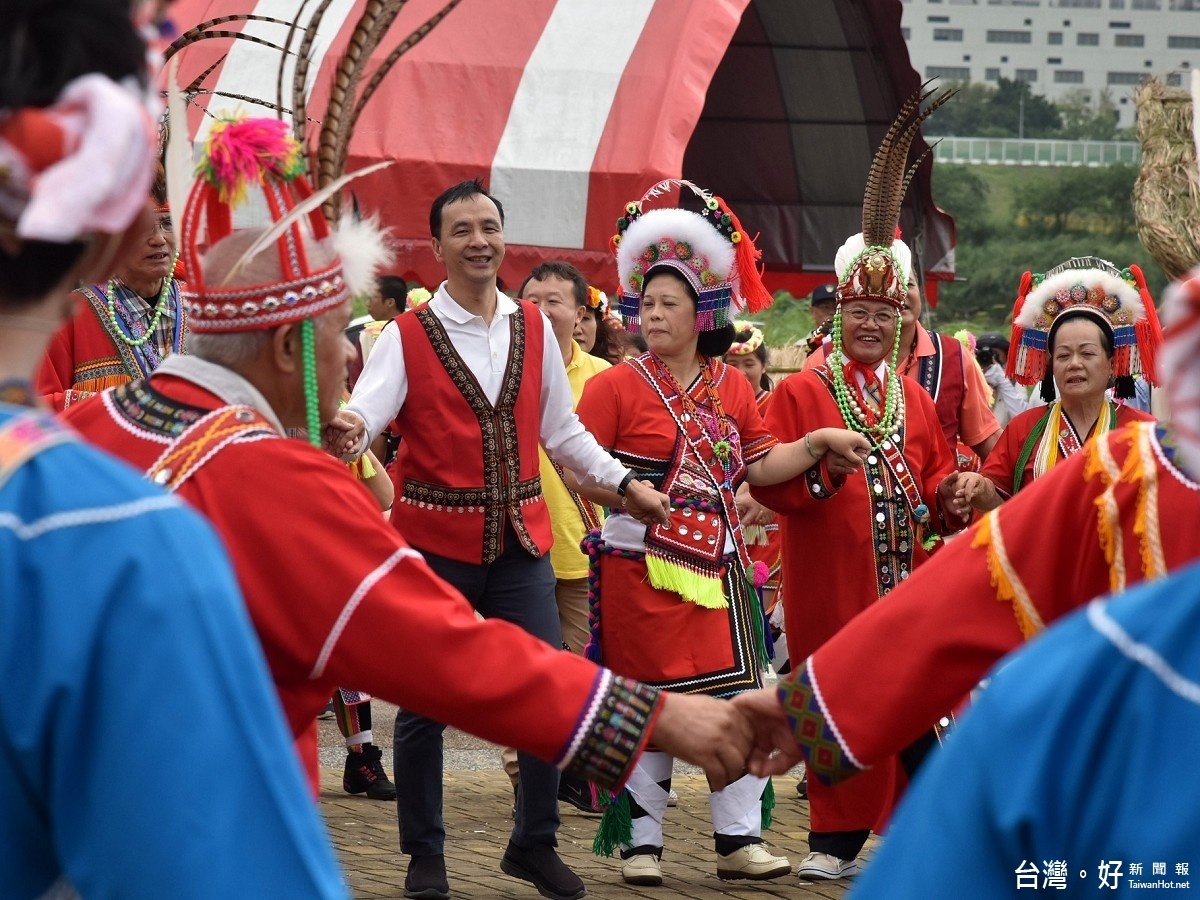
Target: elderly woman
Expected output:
[123,328]
[673,604]
[1098,328]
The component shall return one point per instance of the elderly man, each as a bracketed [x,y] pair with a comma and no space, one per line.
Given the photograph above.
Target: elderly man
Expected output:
[336,596]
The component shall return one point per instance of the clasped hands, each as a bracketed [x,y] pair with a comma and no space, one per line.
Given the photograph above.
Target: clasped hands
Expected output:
[728,738]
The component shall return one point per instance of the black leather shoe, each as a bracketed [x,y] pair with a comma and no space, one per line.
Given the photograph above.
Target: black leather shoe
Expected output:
[426,878]
[577,793]
[541,866]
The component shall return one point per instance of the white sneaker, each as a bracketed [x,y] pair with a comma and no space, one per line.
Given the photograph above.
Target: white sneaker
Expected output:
[643,869]
[753,862]
[826,867]
[672,798]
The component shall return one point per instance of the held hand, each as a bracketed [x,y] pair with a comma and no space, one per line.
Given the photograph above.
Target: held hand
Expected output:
[845,450]
[750,511]
[956,491]
[775,749]
[647,505]
[973,490]
[343,434]
[709,733]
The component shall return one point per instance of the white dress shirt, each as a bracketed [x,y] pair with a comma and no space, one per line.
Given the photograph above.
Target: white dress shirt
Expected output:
[383,386]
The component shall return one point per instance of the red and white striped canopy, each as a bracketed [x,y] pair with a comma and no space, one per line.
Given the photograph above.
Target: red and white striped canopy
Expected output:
[568,109]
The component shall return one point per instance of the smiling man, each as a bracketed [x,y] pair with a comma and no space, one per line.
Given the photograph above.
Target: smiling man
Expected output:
[124,329]
[488,386]
[881,519]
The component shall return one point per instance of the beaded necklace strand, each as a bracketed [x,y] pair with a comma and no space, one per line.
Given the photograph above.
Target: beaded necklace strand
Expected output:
[853,414]
[312,414]
[713,424]
[159,308]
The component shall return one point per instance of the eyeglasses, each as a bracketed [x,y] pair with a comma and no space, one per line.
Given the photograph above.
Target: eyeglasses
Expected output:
[884,318]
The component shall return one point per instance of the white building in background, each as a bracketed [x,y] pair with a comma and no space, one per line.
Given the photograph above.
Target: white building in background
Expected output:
[1058,46]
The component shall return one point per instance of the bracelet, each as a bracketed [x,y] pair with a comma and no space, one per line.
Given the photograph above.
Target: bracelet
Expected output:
[808,445]
[624,485]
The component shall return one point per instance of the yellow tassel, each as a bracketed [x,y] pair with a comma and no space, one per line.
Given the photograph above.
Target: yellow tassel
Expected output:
[1008,586]
[703,590]
[96,385]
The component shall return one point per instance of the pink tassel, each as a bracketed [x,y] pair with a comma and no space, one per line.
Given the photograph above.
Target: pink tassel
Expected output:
[241,152]
[1148,331]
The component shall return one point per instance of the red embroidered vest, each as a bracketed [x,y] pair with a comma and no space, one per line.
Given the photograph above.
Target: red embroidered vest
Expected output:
[470,464]
[944,379]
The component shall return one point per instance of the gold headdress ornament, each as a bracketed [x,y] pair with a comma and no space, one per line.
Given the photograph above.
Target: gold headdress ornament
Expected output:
[875,264]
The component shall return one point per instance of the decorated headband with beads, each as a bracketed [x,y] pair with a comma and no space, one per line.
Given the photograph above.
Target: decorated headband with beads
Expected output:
[752,342]
[240,155]
[708,249]
[1117,297]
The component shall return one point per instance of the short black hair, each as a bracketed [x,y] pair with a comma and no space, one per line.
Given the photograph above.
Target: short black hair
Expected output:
[464,190]
[394,288]
[46,45]
[559,269]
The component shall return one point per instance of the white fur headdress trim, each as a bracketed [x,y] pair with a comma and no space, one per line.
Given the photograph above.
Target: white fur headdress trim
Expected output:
[676,225]
[364,250]
[1033,307]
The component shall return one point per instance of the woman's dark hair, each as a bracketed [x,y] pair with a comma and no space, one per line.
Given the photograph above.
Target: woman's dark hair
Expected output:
[602,346]
[763,353]
[1123,388]
[708,343]
[45,45]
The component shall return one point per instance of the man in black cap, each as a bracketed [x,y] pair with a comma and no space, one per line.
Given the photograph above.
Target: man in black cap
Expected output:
[824,304]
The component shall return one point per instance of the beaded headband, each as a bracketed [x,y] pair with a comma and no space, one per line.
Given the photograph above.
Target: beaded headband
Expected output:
[709,250]
[752,342]
[240,155]
[1117,297]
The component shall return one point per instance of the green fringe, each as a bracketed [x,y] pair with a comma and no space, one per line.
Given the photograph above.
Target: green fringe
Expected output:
[757,622]
[703,590]
[768,804]
[616,825]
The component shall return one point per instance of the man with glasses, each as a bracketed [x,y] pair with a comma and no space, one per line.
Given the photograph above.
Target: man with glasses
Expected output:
[124,328]
[878,523]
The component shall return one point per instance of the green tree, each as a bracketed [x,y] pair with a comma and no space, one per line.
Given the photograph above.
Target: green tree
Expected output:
[966,114]
[1083,120]
[1015,107]
[963,193]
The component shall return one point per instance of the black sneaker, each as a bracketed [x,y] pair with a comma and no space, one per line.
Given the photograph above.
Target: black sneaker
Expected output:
[426,878]
[542,867]
[578,794]
[364,775]
[802,788]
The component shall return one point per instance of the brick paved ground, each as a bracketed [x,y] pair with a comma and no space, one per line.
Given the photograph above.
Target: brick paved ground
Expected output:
[478,822]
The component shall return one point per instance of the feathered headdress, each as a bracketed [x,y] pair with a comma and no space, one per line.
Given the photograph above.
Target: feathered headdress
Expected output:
[875,264]
[709,249]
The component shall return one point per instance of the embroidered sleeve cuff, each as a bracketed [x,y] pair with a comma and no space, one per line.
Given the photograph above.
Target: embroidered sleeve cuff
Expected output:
[755,450]
[821,484]
[612,731]
[824,755]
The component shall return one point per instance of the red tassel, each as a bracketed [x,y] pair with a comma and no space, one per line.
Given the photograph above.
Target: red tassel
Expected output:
[746,257]
[1014,341]
[1148,331]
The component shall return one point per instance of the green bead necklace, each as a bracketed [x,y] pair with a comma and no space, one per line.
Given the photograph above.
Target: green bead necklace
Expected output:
[852,415]
[308,344]
[159,308]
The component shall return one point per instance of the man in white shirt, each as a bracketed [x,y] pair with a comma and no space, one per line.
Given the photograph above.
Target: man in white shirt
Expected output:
[487,386]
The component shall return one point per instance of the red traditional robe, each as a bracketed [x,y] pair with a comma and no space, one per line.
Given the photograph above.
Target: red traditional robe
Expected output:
[647,633]
[846,544]
[87,356]
[1002,462]
[337,597]
[1118,513]
[765,542]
